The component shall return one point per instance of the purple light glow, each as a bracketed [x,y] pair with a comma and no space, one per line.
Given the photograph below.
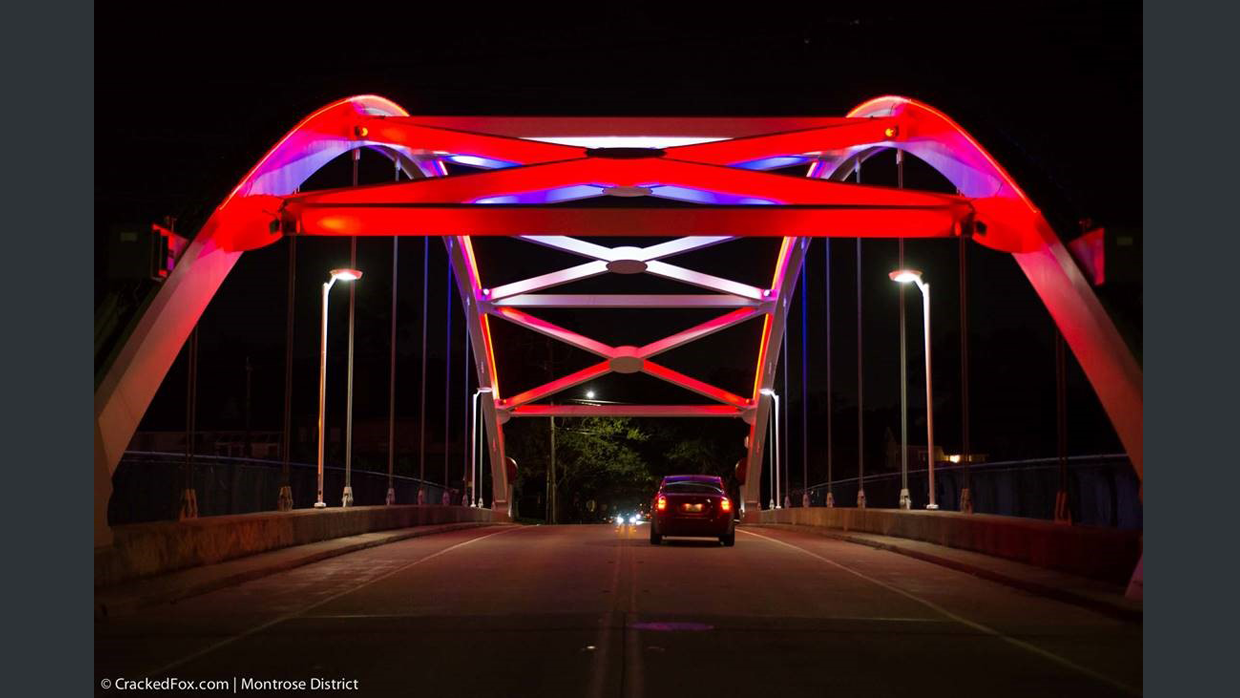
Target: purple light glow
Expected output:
[773,163]
[546,196]
[701,196]
[477,161]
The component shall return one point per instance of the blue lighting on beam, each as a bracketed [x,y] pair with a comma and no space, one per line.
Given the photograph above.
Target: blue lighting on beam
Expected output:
[773,163]
[477,161]
[546,196]
[701,196]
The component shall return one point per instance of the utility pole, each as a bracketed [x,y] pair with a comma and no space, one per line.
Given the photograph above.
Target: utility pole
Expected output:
[551,477]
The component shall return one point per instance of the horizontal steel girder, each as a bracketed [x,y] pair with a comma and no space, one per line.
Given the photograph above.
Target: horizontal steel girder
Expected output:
[625,300]
[626,411]
[739,221]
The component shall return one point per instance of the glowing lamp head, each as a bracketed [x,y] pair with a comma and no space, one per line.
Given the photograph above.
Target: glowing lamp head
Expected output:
[589,394]
[891,131]
[905,276]
[361,131]
[346,274]
[767,392]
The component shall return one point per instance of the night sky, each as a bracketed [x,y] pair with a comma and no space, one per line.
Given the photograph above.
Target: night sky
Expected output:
[186,104]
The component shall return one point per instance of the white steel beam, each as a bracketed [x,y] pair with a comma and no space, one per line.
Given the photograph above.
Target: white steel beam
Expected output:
[633,300]
[626,411]
[460,255]
[788,271]
[709,281]
[555,278]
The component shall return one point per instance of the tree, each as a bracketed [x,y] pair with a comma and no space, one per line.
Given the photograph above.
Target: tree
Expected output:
[597,458]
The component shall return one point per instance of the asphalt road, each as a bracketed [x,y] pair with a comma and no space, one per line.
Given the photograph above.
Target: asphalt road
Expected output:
[598,611]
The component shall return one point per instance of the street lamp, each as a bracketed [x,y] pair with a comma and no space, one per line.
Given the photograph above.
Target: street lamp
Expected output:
[589,394]
[336,275]
[775,487]
[906,276]
[475,471]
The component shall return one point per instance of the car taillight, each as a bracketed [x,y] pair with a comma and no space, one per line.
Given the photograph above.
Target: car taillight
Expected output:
[725,504]
[662,503]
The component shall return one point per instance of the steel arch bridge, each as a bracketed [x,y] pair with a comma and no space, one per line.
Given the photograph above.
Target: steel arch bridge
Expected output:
[536,163]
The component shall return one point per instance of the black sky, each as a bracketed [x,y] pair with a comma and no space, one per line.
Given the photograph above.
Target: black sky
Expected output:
[187,101]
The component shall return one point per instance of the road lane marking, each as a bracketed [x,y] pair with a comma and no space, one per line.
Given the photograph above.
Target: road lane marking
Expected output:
[960,619]
[161,671]
[598,678]
[634,673]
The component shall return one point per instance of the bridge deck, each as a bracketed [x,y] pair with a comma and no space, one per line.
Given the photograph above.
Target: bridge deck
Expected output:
[596,610]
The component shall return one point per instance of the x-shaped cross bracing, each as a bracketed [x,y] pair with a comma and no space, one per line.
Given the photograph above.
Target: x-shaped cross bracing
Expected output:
[539,165]
[752,302]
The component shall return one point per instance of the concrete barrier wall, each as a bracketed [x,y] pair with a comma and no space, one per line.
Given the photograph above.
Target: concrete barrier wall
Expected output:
[142,550]
[1098,553]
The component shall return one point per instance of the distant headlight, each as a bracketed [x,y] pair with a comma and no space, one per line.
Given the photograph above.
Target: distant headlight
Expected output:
[620,520]
[632,519]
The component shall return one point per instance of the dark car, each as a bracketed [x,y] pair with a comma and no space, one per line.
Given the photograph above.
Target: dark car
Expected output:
[692,505]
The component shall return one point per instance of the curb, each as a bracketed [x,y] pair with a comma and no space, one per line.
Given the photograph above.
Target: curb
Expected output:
[1097,605]
[123,605]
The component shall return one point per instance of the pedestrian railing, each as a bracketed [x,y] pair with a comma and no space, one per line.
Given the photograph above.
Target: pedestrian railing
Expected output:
[1103,490]
[147,486]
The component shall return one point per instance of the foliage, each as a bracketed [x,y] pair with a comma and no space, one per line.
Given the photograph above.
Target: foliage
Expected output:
[597,458]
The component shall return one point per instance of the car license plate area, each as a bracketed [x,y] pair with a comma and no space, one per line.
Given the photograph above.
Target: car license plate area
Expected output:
[692,508]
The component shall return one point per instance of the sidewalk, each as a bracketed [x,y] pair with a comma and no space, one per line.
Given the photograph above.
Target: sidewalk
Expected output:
[1097,596]
[169,588]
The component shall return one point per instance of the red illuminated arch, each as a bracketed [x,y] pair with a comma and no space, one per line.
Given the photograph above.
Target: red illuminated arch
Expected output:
[537,162]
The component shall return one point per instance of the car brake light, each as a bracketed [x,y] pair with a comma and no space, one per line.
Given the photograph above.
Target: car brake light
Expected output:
[662,504]
[725,504]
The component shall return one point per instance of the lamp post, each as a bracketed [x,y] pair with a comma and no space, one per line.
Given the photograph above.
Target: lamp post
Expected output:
[336,275]
[475,470]
[775,487]
[905,276]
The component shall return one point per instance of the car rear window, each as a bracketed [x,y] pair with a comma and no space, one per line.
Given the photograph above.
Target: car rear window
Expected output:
[692,488]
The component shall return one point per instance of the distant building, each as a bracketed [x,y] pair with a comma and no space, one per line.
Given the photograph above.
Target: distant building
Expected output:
[917,455]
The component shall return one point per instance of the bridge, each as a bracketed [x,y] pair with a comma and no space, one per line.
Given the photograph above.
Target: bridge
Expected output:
[594,609]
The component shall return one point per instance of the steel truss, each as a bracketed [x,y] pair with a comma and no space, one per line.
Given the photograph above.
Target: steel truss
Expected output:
[537,168]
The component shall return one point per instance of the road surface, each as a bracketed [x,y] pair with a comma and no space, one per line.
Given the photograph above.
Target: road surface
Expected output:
[597,611]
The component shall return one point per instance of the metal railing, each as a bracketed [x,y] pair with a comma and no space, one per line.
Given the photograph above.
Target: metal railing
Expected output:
[147,486]
[1103,490]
